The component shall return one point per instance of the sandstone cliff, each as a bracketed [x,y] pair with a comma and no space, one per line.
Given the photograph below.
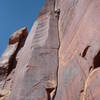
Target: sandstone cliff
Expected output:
[60,58]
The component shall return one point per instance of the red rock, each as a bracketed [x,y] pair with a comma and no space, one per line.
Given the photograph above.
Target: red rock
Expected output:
[92,86]
[79,44]
[8,59]
[36,70]
[18,36]
[60,57]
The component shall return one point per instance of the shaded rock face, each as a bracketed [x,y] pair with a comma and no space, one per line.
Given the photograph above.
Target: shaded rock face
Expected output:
[60,58]
[16,42]
[10,58]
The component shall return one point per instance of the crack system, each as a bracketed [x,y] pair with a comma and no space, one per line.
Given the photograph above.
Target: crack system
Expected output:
[57,15]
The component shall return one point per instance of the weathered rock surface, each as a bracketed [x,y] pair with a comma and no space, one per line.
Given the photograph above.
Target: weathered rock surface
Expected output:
[92,86]
[9,58]
[79,46]
[60,59]
[36,71]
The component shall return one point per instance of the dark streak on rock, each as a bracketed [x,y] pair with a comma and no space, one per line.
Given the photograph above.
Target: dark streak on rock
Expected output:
[85,51]
[96,60]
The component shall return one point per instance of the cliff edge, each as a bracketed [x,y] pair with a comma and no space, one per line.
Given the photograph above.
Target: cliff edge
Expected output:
[60,57]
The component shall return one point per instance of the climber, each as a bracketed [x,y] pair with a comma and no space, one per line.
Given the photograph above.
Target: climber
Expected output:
[57,13]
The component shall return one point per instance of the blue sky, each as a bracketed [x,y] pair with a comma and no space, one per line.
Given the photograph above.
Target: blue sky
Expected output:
[15,14]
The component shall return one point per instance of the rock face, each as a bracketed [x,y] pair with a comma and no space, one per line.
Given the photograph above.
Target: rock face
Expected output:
[9,60]
[60,58]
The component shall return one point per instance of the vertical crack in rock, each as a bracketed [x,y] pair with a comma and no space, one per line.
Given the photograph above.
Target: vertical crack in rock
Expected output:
[51,92]
[39,80]
[57,15]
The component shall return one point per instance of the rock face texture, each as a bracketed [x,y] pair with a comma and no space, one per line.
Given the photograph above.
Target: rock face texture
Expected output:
[9,60]
[60,58]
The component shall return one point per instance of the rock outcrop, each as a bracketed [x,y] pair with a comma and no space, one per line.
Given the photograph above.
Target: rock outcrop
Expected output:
[60,58]
[9,60]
